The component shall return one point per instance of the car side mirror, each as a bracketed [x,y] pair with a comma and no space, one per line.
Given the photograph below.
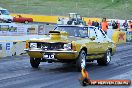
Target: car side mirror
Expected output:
[93,38]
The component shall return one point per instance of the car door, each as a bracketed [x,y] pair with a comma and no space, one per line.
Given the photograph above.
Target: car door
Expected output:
[92,45]
[106,41]
[102,41]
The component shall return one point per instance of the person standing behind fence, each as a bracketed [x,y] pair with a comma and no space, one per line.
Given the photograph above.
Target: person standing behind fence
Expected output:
[114,25]
[118,25]
[96,24]
[93,23]
[130,25]
[125,25]
[104,25]
[89,23]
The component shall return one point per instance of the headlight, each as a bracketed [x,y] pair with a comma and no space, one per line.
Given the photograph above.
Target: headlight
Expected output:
[67,46]
[33,45]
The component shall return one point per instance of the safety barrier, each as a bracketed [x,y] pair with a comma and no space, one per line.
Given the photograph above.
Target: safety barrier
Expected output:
[15,45]
[119,37]
[11,48]
[129,36]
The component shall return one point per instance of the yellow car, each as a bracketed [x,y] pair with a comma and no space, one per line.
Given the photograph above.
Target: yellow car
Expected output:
[77,44]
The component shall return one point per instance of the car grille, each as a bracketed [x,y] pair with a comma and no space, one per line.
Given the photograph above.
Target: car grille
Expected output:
[50,46]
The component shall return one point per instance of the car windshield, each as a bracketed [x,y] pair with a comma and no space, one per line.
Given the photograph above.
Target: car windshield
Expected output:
[74,31]
[4,12]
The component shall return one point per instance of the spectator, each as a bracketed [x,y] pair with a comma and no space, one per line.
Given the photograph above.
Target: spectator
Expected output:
[89,23]
[96,24]
[104,25]
[125,25]
[114,25]
[130,24]
[93,23]
[118,25]
[100,24]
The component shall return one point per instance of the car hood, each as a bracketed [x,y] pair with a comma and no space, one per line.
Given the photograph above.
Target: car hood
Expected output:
[48,39]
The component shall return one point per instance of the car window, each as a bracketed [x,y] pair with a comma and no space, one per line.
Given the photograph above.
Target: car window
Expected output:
[4,12]
[99,34]
[74,31]
[104,35]
[91,32]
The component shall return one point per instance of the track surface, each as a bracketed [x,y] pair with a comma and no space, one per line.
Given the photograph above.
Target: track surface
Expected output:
[16,72]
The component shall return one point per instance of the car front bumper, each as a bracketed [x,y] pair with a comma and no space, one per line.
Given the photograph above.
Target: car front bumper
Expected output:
[50,51]
[59,54]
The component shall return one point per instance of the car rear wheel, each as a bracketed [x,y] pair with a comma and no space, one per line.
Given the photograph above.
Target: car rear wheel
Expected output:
[106,59]
[81,60]
[26,22]
[35,62]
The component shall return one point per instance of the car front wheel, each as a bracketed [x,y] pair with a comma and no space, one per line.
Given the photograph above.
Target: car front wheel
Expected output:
[106,59]
[35,62]
[81,60]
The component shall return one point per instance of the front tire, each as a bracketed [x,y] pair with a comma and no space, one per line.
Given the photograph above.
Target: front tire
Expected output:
[106,59]
[35,62]
[81,60]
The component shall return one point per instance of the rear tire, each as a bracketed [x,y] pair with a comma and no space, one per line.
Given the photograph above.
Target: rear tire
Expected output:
[106,59]
[35,62]
[26,22]
[81,60]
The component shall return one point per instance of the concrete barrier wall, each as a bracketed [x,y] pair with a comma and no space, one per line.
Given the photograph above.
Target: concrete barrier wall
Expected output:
[12,29]
[9,29]
[15,45]
[6,48]
[12,48]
